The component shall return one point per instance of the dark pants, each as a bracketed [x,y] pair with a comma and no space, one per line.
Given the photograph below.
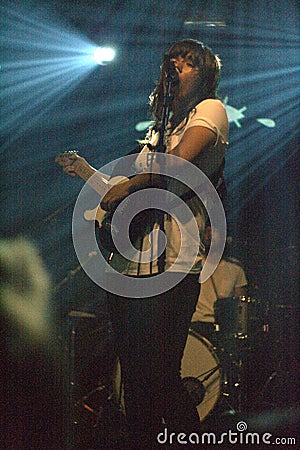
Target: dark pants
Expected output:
[151,334]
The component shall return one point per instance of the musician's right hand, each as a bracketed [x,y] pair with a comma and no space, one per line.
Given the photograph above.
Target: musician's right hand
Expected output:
[115,195]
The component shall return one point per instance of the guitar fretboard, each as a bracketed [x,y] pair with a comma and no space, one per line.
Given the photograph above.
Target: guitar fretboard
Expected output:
[98,181]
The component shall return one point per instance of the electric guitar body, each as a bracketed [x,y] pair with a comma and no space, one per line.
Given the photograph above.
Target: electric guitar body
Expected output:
[101,183]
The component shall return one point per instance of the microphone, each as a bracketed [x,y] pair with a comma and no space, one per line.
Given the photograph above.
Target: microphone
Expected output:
[170,70]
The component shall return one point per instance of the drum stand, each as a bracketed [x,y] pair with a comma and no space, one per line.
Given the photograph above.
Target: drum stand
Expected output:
[74,318]
[231,356]
[93,416]
[232,383]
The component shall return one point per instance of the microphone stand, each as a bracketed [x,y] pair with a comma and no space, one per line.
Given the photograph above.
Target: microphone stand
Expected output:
[71,273]
[73,321]
[161,148]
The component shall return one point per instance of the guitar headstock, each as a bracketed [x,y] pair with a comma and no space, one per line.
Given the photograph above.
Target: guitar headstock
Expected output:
[73,164]
[66,158]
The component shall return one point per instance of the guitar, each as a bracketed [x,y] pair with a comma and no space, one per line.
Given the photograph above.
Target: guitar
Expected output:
[101,183]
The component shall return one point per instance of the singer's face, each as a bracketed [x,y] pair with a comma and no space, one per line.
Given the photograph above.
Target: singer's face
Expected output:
[188,74]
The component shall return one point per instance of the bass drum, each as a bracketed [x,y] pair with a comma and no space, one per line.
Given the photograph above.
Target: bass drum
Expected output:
[200,371]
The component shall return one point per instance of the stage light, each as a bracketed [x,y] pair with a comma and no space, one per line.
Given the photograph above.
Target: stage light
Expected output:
[104,55]
[43,61]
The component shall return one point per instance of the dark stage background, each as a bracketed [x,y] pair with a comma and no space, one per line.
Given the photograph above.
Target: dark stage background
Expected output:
[54,98]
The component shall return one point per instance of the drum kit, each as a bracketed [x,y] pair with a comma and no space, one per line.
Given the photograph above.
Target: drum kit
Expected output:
[215,371]
[217,374]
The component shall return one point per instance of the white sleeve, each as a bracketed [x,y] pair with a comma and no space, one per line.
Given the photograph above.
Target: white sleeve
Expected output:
[211,114]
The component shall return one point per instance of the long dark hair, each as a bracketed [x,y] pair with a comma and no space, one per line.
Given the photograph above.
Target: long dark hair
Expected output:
[209,66]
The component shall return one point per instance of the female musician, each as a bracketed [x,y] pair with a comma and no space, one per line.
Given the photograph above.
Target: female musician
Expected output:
[151,332]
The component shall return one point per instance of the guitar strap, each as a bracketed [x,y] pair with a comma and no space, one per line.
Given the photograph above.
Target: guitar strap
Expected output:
[217,179]
[122,166]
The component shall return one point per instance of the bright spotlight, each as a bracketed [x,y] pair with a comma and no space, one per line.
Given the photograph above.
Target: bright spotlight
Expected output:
[104,55]
[43,61]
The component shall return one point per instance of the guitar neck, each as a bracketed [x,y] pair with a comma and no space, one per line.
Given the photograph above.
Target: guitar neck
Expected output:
[97,180]
[85,172]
